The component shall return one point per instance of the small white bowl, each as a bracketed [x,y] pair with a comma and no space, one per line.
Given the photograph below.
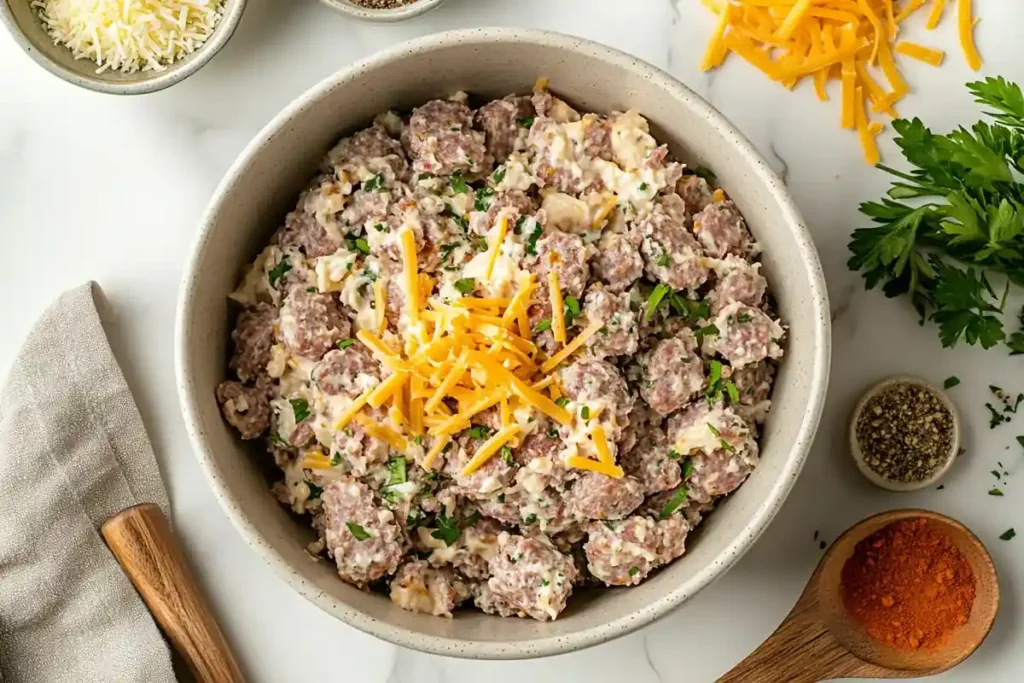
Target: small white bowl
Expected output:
[858,454]
[383,15]
[23,21]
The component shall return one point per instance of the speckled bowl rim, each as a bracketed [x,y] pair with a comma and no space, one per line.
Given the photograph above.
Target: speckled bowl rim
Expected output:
[587,637]
[148,81]
[384,16]
[858,454]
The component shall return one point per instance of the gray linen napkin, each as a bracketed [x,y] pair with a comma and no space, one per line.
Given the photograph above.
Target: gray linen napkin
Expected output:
[73,452]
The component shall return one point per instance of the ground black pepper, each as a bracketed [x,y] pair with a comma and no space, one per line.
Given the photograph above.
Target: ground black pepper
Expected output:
[905,432]
[383,4]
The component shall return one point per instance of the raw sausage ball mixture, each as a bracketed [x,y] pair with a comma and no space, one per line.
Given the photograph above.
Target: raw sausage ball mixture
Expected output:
[679,375]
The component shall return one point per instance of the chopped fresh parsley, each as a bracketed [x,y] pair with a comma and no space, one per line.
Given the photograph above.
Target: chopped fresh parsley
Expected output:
[358,244]
[585,412]
[314,490]
[687,467]
[335,459]
[447,529]
[714,379]
[424,176]
[995,492]
[531,241]
[480,432]
[518,227]
[499,175]
[397,471]
[545,582]
[527,121]
[446,251]
[359,532]
[643,187]
[300,409]
[673,454]
[663,260]
[675,501]
[278,271]
[996,418]
[707,330]
[466,285]
[530,519]
[1008,534]
[655,299]
[744,318]
[379,227]
[459,183]
[345,343]
[414,519]
[506,455]
[562,401]
[374,184]
[688,308]
[542,326]
[418,439]
[950,382]
[483,199]
[310,290]
[633,571]
[572,309]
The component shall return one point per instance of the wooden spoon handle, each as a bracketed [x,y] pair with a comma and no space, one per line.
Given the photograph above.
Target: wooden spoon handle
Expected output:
[802,650]
[143,543]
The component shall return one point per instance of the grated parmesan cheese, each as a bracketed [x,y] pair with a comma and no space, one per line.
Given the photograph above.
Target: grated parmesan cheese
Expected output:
[130,35]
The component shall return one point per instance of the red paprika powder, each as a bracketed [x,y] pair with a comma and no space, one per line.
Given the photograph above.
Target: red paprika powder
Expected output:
[908,585]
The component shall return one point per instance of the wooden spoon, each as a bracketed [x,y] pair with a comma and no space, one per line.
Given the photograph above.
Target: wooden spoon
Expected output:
[820,641]
[146,548]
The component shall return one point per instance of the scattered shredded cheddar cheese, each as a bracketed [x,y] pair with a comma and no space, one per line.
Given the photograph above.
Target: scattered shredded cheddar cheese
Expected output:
[827,40]
[459,359]
[557,308]
[920,52]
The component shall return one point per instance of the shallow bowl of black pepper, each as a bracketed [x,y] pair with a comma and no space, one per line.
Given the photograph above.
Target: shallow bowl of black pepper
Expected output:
[385,11]
[912,439]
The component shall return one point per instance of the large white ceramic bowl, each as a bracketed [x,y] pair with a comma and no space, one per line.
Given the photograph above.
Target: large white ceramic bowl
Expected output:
[263,185]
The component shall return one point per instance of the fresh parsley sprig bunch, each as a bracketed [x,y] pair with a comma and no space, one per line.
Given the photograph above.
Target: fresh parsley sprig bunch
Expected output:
[964,221]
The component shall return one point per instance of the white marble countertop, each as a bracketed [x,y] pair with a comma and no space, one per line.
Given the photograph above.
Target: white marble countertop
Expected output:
[111,189]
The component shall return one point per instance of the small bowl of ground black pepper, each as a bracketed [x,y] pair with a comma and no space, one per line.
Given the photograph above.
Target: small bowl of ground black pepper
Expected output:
[383,10]
[904,434]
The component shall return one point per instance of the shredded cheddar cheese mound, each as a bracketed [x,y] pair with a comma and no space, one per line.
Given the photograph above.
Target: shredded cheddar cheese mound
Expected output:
[825,40]
[477,352]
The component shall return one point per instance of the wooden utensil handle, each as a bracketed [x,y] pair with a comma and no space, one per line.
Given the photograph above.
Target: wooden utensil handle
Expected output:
[143,543]
[802,650]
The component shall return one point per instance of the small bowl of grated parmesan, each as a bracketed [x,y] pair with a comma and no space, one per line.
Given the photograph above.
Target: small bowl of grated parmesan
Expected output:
[383,10]
[122,47]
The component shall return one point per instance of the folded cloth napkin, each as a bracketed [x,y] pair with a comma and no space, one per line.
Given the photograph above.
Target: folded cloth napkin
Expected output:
[73,452]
